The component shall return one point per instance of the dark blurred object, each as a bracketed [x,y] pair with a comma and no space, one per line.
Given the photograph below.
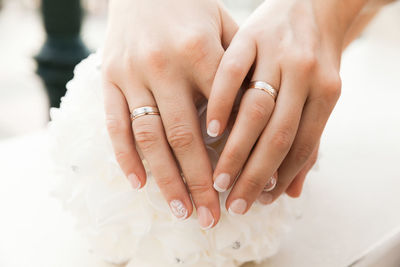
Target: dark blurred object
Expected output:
[63,48]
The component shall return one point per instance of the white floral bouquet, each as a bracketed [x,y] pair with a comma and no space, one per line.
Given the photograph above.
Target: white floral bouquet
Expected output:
[137,228]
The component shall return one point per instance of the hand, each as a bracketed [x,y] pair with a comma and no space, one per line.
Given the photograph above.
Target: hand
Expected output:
[296,47]
[165,54]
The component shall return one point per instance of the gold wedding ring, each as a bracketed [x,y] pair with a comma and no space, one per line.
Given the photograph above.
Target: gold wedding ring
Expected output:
[264,86]
[142,111]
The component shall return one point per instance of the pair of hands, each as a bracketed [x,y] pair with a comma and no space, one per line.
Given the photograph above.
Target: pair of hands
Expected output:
[171,54]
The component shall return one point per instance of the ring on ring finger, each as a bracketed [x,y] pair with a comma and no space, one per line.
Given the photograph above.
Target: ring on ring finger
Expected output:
[264,86]
[143,111]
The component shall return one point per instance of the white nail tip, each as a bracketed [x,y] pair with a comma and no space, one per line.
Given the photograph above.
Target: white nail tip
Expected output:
[219,189]
[213,128]
[211,134]
[138,187]
[208,227]
[231,212]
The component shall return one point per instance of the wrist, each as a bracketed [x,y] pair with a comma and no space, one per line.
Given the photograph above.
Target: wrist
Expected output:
[336,16]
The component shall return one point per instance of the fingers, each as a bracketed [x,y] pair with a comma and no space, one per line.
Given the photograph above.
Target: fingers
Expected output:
[149,135]
[265,197]
[255,110]
[234,66]
[181,125]
[314,119]
[120,131]
[296,186]
[271,148]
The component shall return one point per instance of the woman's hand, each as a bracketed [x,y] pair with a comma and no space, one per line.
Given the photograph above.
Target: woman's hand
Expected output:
[295,46]
[165,54]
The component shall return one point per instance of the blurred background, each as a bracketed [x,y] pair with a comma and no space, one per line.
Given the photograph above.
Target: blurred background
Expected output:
[23,99]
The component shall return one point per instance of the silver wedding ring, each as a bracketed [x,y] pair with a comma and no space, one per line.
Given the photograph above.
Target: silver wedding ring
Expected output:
[270,185]
[143,111]
[264,86]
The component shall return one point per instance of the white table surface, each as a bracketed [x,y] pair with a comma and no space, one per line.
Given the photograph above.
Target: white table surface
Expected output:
[351,201]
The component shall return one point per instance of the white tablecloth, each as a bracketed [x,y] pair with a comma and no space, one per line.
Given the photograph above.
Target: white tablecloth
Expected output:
[351,201]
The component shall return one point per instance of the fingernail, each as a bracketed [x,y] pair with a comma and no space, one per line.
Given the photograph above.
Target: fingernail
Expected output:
[238,206]
[213,128]
[265,198]
[134,180]
[178,209]
[206,220]
[222,181]
[270,185]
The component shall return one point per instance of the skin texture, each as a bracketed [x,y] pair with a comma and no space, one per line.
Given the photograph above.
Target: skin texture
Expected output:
[175,59]
[369,11]
[298,53]
[165,59]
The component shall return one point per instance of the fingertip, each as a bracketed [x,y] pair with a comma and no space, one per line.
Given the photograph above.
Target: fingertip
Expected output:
[134,181]
[296,187]
[213,129]
[294,193]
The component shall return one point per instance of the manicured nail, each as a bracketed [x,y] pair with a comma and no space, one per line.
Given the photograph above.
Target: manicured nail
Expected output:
[206,220]
[134,180]
[178,209]
[265,198]
[238,206]
[222,182]
[270,185]
[213,128]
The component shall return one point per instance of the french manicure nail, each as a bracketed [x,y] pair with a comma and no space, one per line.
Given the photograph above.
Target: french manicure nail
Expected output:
[238,206]
[270,185]
[222,181]
[265,198]
[213,128]
[178,209]
[206,219]
[134,180]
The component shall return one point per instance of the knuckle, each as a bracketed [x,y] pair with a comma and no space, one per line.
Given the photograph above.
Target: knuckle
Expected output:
[233,68]
[303,153]
[281,140]
[233,156]
[257,111]
[253,184]
[304,61]
[145,136]
[109,69]
[155,59]
[332,88]
[166,182]
[199,187]
[180,137]
[122,157]
[193,43]
[115,125]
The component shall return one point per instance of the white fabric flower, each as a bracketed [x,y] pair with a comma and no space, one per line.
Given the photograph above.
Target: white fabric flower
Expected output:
[125,226]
